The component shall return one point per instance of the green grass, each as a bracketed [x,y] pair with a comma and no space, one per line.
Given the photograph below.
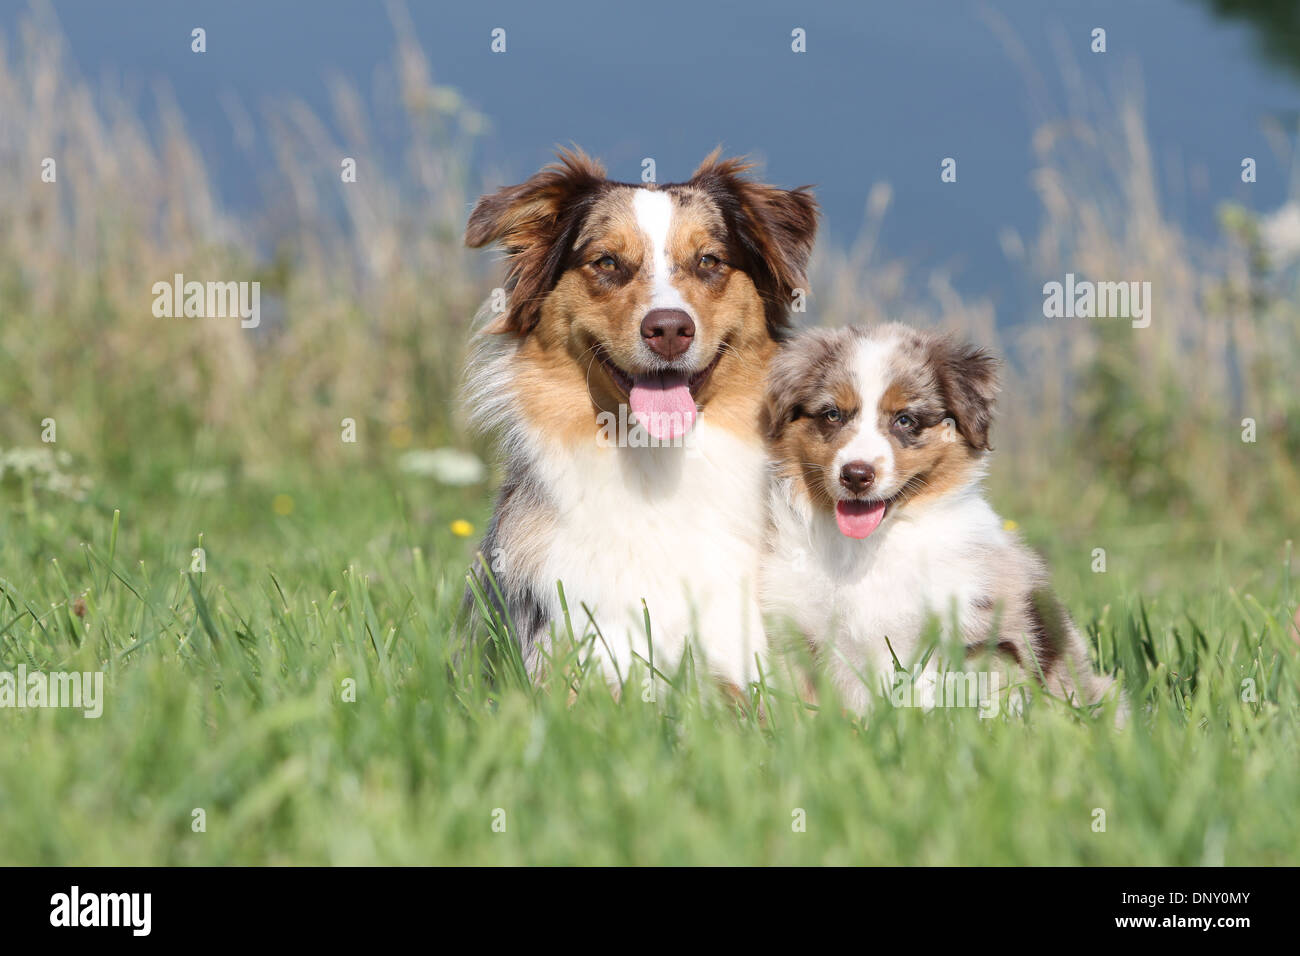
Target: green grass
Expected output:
[224,691]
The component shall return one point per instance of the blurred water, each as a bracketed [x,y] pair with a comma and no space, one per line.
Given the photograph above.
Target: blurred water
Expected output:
[885,91]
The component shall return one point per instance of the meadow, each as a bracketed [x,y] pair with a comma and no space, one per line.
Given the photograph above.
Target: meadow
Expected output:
[290,692]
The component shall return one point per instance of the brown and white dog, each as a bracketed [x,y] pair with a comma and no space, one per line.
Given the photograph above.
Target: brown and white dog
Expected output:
[625,381]
[879,440]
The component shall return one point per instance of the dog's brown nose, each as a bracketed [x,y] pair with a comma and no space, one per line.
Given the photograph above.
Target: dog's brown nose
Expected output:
[857,476]
[668,332]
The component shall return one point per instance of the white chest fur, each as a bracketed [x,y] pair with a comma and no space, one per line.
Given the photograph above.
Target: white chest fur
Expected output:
[857,599]
[679,528]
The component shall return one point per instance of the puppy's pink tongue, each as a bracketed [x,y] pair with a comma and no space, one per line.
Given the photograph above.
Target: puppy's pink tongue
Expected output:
[663,404]
[857,519]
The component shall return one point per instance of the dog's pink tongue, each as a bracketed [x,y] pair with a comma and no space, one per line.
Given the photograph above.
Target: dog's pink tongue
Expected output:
[857,519]
[663,404]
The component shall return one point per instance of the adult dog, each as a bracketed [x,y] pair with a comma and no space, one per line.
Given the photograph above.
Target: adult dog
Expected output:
[624,380]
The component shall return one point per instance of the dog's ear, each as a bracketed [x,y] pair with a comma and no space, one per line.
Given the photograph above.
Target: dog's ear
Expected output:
[780,399]
[535,223]
[968,380]
[774,228]
[795,375]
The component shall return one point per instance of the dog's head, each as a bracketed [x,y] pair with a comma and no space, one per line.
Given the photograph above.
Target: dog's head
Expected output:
[869,421]
[658,293]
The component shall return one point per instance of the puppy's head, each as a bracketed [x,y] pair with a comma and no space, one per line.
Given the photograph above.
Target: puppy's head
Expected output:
[659,294]
[869,422]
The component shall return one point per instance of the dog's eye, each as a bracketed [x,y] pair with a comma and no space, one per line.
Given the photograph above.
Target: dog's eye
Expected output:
[833,415]
[905,422]
[709,262]
[606,263]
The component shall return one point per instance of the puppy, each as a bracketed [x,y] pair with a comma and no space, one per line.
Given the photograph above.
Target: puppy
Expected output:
[879,440]
[624,381]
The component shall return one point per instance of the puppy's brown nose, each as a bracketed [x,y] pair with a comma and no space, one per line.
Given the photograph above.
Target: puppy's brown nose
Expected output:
[668,332]
[857,476]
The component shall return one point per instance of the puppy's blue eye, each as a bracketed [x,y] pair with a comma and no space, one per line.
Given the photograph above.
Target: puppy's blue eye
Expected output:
[833,415]
[606,263]
[905,422]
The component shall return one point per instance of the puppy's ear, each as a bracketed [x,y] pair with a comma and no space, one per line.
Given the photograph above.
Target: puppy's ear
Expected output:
[796,374]
[968,379]
[774,228]
[535,223]
[780,399]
